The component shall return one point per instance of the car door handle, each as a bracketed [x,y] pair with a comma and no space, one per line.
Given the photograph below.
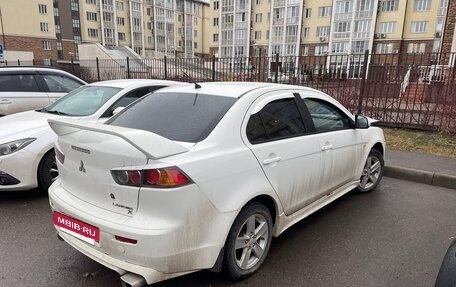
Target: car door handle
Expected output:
[326,147]
[5,102]
[272,160]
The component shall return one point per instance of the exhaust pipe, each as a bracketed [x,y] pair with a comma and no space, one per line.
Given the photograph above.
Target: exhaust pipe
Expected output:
[132,280]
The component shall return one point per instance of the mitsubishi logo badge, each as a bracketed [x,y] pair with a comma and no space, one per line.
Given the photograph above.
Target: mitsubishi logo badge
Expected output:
[81,167]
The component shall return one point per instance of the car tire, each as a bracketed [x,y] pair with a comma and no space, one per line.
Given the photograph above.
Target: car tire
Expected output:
[47,171]
[248,241]
[372,172]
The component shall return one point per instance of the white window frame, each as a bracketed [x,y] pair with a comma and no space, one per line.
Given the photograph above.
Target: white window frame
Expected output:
[387,27]
[419,26]
[421,5]
[42,8]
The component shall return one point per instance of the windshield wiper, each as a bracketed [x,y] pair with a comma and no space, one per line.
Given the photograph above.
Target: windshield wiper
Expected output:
[56,112]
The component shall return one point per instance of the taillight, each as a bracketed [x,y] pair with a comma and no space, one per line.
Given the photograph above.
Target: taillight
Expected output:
[59,156]
[159,177]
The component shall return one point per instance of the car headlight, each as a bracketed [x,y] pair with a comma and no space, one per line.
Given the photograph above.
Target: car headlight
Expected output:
[14,146]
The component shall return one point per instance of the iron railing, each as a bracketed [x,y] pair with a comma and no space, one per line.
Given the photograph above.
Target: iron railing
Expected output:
[402,90]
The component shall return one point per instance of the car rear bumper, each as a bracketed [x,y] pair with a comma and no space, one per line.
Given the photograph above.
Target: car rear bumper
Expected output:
[176,248]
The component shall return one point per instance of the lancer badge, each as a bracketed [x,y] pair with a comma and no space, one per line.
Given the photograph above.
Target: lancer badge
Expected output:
[81,167]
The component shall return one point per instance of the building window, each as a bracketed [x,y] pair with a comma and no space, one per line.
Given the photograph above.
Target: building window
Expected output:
[308,13]
[93,33]
[215,37]
[47,62]
[91,2]
[216,21]
[419,26]
[416,48]
[77,39]
[267,35]
[257,35]
[76,23]
[324,11]
[322,31]
[46,45]
[305,51]
[340,47]
[120,6]
[422,5]
[59,46]
[321,50]
[389,5]
[120,21]
[269,17]
[91,16]
[44,27]
[306,32]
[387,27]
[42,9]
[57,29]
[74,5]
[216,5]
[149,25]
[121,36]
[149,39]
[195,45]
[195,33]
[383,48]
[258,17]
[258,2]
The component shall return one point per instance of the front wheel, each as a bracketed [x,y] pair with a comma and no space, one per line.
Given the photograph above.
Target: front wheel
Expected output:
[248,241]
[372,172]
[47,171]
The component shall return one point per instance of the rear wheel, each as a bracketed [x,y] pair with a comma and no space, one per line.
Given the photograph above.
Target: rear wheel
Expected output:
[248,241]
[47,171]
[372,172]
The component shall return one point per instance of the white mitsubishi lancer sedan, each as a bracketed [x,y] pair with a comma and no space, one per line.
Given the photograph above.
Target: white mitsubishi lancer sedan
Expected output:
[202,176]
[27,158]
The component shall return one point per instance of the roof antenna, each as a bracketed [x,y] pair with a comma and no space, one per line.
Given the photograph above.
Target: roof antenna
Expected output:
[197,86]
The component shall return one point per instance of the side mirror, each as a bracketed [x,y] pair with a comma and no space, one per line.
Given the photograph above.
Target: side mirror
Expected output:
[361,122]
[117,110]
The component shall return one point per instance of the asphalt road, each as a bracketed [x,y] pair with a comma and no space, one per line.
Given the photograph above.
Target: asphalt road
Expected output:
[394,236]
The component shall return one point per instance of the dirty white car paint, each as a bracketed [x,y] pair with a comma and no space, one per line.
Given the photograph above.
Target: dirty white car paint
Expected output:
[19,168]
[272,156]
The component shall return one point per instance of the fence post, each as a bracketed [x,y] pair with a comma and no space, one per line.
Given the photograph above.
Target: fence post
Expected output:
[98,69]
[33,62]
[259,65]
[213,68]
[166,68]
[363,82]
[72,65]
[276,68]
[18,62]
[128,68]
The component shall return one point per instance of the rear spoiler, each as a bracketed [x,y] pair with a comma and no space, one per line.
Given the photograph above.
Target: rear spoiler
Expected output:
[152,145]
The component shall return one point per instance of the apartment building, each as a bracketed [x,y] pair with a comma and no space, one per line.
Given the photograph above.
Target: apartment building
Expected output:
[28,25]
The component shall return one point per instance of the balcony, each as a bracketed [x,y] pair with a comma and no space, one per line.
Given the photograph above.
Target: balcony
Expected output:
[293,20]
[160,32]
[109,24]
[276,39]
[343,16]
[278,3]
[227,41]
[160,3]
[361,35]
[278,22]
[169,20]
[160,18]
[108,8]
[341,35]
[241,24]
[110,41]
[240,41]
[227,8]
[138,43]
[228,26]
[137,29]
[293,2]
[364,14]
[241,7]
[291,39]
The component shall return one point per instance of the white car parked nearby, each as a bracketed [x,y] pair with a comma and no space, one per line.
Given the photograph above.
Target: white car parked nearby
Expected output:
[27,157]
[28,88]
[202,176]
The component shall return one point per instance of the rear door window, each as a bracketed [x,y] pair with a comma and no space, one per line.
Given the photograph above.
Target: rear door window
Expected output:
[60,83]
[18,83]
[186,117]
[277,120]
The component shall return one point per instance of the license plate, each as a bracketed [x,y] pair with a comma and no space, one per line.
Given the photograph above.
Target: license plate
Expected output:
[77,228]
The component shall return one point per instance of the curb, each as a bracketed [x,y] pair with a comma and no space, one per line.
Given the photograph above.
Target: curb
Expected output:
[421,176]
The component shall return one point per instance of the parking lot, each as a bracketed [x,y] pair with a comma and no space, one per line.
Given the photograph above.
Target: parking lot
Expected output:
[394,236]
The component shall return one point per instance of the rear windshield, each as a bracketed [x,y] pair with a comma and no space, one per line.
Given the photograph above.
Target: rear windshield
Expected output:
[177,116]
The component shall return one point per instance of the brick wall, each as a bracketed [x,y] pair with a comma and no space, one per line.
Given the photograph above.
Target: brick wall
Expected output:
[449,31]
[35,45]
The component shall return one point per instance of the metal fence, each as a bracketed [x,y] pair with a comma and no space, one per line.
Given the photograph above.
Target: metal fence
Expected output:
[402,90]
